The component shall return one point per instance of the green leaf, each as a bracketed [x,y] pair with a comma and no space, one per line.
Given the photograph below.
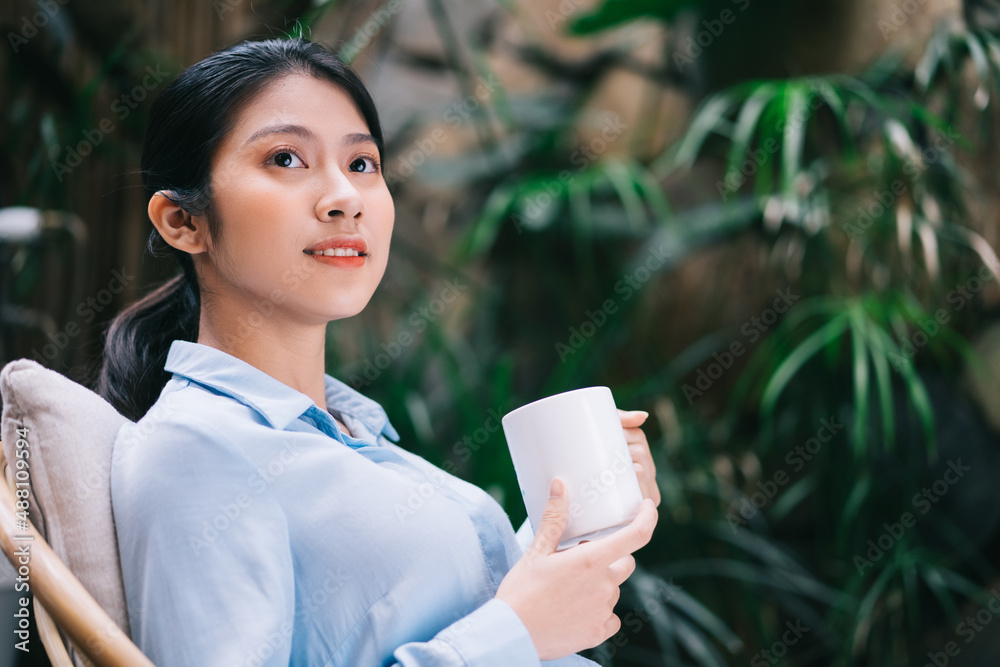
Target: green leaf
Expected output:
[931,59]
[860,375]
[626,189]
[879,344]
[979,59]
[616,12]
[654,193]
[746,123]
[798,357]
[839,110]
[792,497]
[483,232]
[922,404]
[865,609]
[852,506]
[708,118]
[707,620]
[796,120]
[696,644]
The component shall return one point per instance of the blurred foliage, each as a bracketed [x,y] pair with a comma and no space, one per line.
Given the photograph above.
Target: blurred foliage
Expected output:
[554,263]
[852,179]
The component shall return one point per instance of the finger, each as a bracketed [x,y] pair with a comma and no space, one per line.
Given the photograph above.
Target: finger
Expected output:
[654,492]
[554,520]
[622,569]
[645,472]
[642,478]
[633,418]
[611,626]
[634,435]
[641,453]
[628,539]
[645,469]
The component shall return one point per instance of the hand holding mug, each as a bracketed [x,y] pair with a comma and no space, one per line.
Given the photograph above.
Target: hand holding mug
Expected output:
[642,458]
[566,599]
[580,437]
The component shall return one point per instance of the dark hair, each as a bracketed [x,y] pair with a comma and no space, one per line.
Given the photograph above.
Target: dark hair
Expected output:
[186,123]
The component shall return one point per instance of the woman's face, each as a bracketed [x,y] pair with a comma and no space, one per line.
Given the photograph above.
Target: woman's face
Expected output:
[297,175]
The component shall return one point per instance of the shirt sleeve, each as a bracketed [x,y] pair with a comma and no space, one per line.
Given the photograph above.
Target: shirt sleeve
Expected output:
[205,558]
[491,636]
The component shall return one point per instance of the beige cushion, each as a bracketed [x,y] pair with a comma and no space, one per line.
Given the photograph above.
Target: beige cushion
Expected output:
[71,435]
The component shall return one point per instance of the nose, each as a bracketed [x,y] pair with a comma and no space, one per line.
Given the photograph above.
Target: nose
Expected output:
[339,199]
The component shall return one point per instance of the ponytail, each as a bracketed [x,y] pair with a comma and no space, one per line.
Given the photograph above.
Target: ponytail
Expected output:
[138,339]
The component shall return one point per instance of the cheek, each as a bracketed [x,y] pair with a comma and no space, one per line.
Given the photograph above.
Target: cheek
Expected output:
[386,215]
[251,246]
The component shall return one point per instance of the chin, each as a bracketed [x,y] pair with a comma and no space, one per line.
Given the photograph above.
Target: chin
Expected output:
[342,311]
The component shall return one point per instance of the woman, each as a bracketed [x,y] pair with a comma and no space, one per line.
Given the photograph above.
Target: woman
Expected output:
[258,500]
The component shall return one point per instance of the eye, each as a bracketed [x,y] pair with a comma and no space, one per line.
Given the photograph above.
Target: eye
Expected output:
[286,159]
[365,161]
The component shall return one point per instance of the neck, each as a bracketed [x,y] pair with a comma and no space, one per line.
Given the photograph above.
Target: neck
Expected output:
[293,355]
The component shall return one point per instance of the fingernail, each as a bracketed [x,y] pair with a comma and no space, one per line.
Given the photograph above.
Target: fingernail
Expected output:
[556,490]
[639,412]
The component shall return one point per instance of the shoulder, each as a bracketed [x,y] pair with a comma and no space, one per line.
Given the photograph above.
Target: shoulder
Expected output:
[187,440]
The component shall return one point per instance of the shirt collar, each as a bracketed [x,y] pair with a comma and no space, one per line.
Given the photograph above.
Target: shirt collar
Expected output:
[278,403]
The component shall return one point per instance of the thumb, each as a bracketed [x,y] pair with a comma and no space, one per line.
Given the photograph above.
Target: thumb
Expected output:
[554,520]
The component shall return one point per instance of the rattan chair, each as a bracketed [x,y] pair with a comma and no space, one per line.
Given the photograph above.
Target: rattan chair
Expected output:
[60,600]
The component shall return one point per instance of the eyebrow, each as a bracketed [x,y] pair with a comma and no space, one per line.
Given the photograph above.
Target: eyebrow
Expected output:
[349,140]
[358,138]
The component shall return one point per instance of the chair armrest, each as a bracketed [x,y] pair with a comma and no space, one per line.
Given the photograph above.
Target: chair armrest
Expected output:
[74,610]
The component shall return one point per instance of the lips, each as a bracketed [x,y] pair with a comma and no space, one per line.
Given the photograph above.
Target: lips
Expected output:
[340,246]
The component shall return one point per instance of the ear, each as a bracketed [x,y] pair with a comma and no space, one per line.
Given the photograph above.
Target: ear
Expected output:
[178,228]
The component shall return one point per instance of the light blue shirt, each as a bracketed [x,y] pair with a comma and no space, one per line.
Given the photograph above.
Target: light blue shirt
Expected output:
[254,532]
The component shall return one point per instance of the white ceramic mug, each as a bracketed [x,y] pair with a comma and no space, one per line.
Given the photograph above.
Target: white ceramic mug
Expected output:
[578,436]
